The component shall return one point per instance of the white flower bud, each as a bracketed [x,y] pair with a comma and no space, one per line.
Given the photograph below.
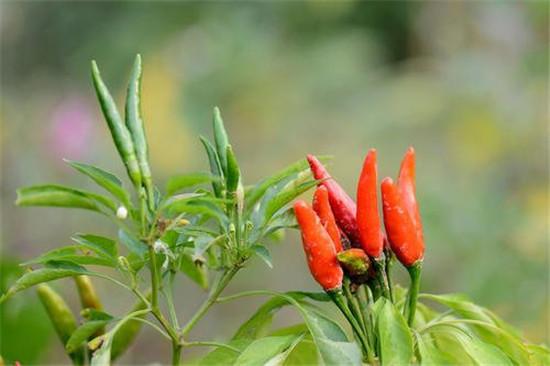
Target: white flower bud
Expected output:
[122,212]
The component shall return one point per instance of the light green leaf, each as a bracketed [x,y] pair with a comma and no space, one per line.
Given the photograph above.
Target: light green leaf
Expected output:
[430,354]
[61,196]
[186,181]
[539,355]
[286,195]
[83,333]
[71,254]
[262,252]
[268,350]
[496,331]
[98,244]
[177,202]
[30,279]
[134,245]
[224,356]
[482,353]
[105,179]
[394,337]
[215,167]
[195,271]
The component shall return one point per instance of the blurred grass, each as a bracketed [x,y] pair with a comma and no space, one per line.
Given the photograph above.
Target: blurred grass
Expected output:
[464,82]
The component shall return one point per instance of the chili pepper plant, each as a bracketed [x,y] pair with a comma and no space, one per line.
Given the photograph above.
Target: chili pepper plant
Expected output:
[207,226]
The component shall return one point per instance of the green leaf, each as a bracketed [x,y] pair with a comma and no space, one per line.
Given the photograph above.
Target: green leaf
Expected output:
[195,271]
[430,354]
[482,353]
[102,355]
[223,355]
[186,181]
[540,355]
[99,244]
[292,190]
[304,354]
[257,192]
[61,196]
[30,279]
[496,331]
[105,179]
[71,254]
[264,254]
[220,138]
[92,314]
[178,202]
[133,244]
[215,167]
[394,337]
[83,333]
[268,350]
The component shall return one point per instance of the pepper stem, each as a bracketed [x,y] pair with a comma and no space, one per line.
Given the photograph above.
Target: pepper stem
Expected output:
[388,267]
[414,272]
[340,301]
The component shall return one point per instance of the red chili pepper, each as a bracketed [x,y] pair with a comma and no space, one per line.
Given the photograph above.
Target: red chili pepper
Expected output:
[319,248]
[402,233]
[342,205]
[321,206]
[407,189]
[368,218]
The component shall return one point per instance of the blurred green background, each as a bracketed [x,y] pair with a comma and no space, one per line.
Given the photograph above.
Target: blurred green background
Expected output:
[466,83]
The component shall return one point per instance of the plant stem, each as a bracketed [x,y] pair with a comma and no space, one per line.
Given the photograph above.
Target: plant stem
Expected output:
[340,301]
[176,353]
[414,272]
[352,304]
[388,266]
[381,277]
[212,298]
[362,297]
[155,280]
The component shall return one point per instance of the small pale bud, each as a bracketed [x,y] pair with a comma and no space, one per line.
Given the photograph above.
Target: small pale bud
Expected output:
[123,263]
[122,212]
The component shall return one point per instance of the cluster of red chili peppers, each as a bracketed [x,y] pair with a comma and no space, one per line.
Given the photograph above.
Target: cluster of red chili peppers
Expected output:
[346,246]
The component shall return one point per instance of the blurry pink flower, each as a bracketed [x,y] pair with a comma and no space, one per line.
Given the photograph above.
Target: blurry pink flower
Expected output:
[71,129]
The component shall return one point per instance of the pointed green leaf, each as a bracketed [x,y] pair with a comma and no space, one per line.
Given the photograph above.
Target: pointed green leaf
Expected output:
[215,167]
[268,350]
[30,279]
[186,181]
[104,179]
[394,337]
[220,138]
[72,254]
[224,355]
[262,252]
[99,244]
[83,333]
[133,244]
[292,190]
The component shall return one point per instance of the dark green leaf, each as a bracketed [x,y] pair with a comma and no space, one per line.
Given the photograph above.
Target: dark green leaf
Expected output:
[83,332]
[292,190]
[105,179]
[71,254]
[215,167]
[394,337]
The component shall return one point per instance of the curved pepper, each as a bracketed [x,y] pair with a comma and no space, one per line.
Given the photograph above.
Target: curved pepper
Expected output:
[87,293]
[368,218]
[342,205]
[321,206]
[61,316]
[402,233]
[319,248]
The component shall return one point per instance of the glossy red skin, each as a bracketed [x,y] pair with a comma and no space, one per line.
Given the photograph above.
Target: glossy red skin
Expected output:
[343,207]
[368,218]
[399,225]
[407,189]
[318,247]
[321,206]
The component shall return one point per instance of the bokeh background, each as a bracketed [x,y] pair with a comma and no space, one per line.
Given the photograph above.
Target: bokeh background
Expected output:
[466,83]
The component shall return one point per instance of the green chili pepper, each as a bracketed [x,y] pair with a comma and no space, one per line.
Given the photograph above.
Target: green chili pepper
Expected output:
[220,138]
[121,135]
[61,316]
[134,123]
[233,171]
[87,293]
[124,337]
[215,168]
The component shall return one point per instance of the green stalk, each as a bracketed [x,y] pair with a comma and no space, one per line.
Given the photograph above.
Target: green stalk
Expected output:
[414,272]
[212,298]
[176,353]
[381,277]
[340,301]
[388,266]
[352,304]
[362,297]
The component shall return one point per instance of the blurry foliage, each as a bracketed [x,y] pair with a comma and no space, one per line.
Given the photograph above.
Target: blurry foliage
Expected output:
[465,83]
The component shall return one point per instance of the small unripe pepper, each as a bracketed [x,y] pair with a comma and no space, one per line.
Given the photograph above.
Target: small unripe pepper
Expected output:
[321,206]
[319,248]
[368,218]
[355,262]
[402,233]
[343,207]
[87,293]
[61,316]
